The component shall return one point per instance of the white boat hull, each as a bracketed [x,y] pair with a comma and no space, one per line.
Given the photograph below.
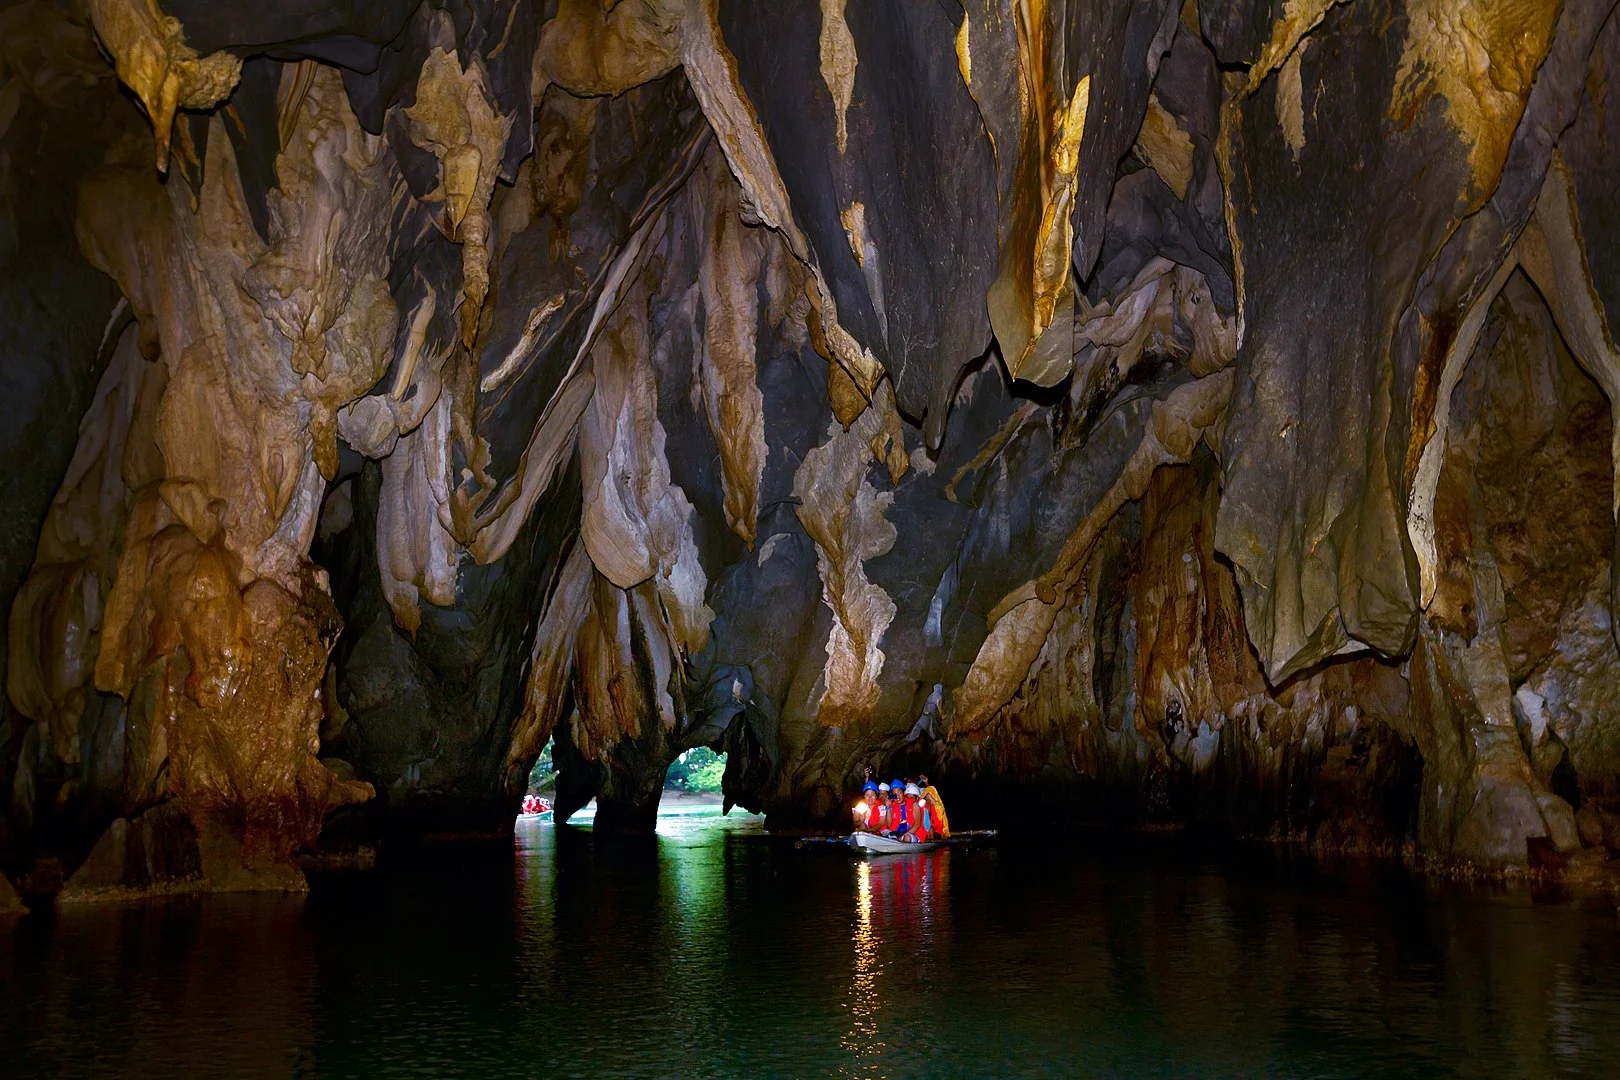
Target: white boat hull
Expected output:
[864,843]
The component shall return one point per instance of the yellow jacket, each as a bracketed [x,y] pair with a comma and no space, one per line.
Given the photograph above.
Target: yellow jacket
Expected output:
[936,807]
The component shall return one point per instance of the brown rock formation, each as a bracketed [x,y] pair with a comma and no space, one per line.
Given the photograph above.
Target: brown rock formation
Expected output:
[1204,412]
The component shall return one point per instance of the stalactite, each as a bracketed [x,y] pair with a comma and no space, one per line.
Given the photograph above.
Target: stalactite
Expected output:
[1116,395]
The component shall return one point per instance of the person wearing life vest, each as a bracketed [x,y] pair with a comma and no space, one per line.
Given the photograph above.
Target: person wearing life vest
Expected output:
[920,831]
[897,824]
[868,811]
[936,808]
[877,808]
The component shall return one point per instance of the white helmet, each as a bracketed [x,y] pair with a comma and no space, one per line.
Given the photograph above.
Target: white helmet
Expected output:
[883,787]
[911,789]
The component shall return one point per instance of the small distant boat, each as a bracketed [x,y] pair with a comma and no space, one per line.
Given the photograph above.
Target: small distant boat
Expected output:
[536,807]
[865,843]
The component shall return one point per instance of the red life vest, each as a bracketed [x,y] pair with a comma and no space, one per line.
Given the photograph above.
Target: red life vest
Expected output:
[915,815]
[874,814]
[924,819]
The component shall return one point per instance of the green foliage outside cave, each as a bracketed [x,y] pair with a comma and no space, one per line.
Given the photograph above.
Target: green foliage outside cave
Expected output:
[543,777]
[698,771]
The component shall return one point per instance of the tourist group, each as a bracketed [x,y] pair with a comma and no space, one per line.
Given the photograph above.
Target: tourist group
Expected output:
[909,810]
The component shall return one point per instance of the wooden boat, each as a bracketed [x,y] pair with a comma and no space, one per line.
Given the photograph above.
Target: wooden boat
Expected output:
[865,843]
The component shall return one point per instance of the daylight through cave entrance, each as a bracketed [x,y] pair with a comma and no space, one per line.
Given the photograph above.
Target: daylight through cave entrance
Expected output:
[692,786]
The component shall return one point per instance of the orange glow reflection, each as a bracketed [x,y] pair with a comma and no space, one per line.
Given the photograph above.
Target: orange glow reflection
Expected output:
[862,1042]
[899,900]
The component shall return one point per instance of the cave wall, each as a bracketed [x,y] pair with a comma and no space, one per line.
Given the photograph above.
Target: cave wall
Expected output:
[58,325]
[1200,413]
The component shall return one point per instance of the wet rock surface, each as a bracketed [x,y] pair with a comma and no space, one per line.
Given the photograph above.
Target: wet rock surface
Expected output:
[10,902]
[1186,414]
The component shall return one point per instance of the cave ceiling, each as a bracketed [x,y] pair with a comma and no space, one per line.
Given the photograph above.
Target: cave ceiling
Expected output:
[1034,388]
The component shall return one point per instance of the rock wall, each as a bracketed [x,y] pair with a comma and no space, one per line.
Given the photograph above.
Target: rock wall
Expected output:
[59,319]
[1191,414]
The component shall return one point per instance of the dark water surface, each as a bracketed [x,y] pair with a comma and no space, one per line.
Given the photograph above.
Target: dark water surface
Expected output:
[715,950]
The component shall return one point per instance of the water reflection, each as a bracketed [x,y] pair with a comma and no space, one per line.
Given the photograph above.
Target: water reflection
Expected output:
[862,1043]
[714,950]
[899,902]
[99,995]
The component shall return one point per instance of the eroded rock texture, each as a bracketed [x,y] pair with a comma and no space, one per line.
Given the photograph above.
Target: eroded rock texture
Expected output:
[1201,412]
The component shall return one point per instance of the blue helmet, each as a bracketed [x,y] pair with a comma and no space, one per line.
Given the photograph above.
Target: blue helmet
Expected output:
[897,785]
[871,785]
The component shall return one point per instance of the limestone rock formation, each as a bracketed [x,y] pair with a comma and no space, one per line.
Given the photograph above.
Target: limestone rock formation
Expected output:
[1204,412]
[10,902]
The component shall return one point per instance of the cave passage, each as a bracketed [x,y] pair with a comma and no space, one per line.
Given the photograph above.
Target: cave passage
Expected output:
[1168,415]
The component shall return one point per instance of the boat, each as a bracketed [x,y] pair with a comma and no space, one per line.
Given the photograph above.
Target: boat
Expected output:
[536,808]
[865,843]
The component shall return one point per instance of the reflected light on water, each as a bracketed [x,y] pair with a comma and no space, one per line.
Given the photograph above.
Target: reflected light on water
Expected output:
[899,904]
[862,1042]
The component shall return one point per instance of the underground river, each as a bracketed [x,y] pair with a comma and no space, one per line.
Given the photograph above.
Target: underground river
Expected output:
[716,949]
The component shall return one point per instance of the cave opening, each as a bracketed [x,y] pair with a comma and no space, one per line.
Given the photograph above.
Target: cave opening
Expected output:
[543,776]
[698,771]
[693,788]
